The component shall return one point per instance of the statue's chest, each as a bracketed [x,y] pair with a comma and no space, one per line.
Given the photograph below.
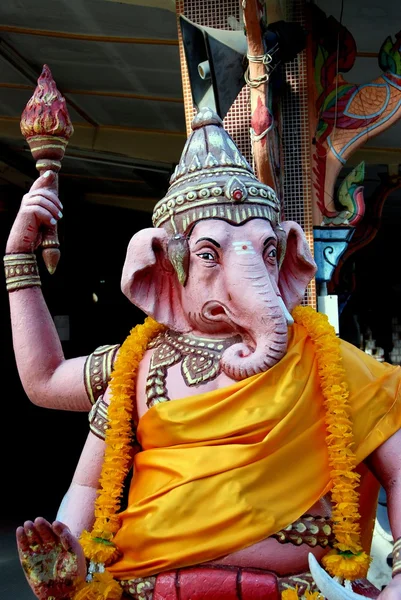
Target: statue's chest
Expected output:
[180,363]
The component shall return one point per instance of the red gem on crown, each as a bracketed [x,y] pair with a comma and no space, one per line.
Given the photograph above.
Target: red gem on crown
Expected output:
[237,195]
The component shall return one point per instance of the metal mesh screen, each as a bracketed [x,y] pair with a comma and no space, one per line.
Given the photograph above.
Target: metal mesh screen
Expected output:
[223,14]
[297,183]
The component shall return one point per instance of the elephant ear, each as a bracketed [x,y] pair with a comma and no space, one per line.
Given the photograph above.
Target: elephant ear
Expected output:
[149,280]
[298,267]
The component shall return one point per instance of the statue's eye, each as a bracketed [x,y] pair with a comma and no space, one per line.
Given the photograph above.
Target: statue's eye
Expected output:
[206,256]
[271,256]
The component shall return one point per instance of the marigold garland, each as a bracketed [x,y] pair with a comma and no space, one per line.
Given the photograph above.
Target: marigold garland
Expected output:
[292,594]
[98,545]
[102,587]
[347,560]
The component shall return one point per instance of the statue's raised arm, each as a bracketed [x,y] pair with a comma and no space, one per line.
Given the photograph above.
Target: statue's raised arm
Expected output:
[48,379]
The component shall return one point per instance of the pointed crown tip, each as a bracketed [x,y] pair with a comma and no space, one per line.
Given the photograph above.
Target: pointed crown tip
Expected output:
[206,116]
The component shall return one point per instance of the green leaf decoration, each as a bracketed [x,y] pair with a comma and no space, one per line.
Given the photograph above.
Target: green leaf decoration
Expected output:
[390,57]
[348,186]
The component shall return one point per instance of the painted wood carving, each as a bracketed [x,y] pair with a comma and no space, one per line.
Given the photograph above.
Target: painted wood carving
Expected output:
[346,115]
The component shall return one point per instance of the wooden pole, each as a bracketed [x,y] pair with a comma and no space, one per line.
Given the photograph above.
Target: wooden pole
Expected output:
[258,81]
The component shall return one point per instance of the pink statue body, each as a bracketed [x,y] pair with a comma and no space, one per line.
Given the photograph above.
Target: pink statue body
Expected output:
[231,476]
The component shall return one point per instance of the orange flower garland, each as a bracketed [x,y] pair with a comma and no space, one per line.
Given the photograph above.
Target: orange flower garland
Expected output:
[98,545]
[348,560]
[102,587]
[292,594]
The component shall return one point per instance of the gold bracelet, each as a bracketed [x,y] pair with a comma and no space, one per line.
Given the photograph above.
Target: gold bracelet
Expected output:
[21,271]
[396,557]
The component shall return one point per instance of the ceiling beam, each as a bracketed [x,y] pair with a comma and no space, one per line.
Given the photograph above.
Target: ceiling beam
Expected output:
[131,202]
[151,98]
[126,95]
[164,147]
[367,54]
[106,160]
[99,178]
[143,144]
[87,37]
[164,4]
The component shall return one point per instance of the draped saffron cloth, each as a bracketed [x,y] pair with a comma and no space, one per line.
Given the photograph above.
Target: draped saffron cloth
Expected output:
[225,469]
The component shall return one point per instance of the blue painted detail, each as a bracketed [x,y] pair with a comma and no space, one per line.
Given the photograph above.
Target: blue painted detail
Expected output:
[340,158]
[370,116]
[370,128]
[393,83]
[330,243]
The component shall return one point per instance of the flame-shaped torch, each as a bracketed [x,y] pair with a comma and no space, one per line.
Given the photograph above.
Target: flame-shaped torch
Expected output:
[47,127]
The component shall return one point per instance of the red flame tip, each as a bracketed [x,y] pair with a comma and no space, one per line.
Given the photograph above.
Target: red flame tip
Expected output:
[46,73]
[46,112]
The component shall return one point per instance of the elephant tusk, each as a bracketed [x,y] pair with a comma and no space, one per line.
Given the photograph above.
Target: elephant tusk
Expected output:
[329,587]
[290,320]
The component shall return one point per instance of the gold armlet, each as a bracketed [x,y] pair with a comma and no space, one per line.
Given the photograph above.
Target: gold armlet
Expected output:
[97,371]
[396,558]
[21,271]
[308,529]
[98,421]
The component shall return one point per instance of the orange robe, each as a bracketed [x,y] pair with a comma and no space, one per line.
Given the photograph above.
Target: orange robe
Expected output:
[222,470]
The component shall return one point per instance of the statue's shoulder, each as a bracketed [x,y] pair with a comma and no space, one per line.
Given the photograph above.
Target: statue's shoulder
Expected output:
[363,366]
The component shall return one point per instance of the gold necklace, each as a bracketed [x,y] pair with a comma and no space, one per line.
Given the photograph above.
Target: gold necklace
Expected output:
[199,357]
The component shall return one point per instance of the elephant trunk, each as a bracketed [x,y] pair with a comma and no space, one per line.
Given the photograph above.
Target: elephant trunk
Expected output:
[261,313]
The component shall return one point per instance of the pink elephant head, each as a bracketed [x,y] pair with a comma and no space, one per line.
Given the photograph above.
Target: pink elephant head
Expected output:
[218,260]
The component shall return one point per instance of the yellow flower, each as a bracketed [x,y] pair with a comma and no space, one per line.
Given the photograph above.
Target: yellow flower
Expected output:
[349,566]
[102,587]
[292,594]
[98,548]
[289,594]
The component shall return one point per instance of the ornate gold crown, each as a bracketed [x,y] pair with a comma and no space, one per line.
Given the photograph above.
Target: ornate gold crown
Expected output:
[213,180]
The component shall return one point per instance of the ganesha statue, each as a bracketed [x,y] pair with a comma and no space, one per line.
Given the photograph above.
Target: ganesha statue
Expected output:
[255,436]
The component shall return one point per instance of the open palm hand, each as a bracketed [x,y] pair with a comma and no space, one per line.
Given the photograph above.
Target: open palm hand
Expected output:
[51,557]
